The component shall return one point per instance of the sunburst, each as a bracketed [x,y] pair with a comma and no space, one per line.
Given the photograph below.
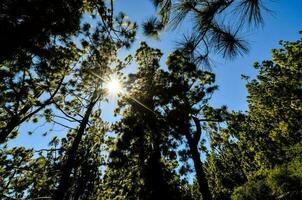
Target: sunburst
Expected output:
[113,86]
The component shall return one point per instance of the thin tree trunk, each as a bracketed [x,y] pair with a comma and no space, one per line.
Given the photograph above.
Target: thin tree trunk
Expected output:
[200,174]
[67,167]
[17,120]
[198,165]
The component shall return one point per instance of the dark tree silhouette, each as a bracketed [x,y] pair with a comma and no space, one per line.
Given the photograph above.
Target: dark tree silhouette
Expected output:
[28,26]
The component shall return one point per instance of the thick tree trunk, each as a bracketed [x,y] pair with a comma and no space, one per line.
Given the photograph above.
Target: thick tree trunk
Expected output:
[158,185]
[142,166]
[81,182]
[67,167]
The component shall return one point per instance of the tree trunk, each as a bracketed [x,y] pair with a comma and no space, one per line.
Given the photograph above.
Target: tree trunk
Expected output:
[200,174]
[17,120]
[193,141]
[158,186]
[67,167]
[4,132]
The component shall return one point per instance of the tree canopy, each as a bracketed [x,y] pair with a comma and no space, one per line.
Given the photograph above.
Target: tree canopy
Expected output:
[61,61]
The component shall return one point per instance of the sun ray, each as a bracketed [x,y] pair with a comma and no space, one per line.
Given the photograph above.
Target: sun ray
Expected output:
[114,87]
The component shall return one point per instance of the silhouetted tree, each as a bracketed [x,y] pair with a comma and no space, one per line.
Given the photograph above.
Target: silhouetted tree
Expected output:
[28,26]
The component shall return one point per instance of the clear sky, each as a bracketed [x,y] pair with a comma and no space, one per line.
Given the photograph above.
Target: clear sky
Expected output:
[283,25]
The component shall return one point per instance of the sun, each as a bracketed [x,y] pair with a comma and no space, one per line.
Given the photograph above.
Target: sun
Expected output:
[113,86]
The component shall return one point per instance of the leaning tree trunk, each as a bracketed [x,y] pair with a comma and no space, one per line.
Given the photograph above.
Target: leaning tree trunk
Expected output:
[17,120]
[23,115]
[198,165]
[67,167]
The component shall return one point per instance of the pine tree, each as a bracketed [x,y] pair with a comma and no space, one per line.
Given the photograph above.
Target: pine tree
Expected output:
[85,94]
[263,142]
[137,158]
[29,26]
[210,30]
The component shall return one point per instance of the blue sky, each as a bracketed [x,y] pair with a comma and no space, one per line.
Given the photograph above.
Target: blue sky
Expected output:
[283,25]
